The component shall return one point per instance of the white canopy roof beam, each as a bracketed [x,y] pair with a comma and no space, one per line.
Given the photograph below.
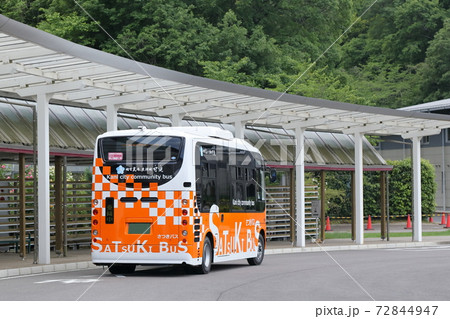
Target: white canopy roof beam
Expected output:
[152,105]
[337,126]
[243,117]
[7,69]
[37,72]
[365,128]
[79,71]
[185,109]
[322,112]
[149,85]
[421,133]
[51,88]
[277,119]
[305,123]
[118,100]
[218,113]
[21,53]
[205,95]
[19,81]
[86,94]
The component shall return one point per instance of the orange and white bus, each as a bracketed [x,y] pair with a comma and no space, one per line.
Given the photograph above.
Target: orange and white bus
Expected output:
[179,195]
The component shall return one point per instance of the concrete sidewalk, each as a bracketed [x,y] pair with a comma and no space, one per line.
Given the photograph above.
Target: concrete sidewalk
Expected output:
[11,264]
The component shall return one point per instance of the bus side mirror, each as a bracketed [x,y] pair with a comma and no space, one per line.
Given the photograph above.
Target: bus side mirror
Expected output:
[273,176]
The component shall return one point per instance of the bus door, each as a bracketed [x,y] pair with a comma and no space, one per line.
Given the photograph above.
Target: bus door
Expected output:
[245,190]
[213,192]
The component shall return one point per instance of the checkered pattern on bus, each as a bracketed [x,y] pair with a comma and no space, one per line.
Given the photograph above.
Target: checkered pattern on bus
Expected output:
[163,209]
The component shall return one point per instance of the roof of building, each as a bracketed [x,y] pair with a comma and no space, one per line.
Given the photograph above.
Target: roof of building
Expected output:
[430,107]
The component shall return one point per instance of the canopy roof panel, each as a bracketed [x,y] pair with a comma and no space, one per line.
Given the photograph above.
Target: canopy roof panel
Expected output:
[33,61]
[73,131]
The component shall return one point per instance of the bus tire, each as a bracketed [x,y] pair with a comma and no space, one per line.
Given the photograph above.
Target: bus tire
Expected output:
[117,269]
[207,258]
[260,252]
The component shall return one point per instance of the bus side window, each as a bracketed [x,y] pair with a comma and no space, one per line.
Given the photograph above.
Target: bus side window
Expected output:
[208,195]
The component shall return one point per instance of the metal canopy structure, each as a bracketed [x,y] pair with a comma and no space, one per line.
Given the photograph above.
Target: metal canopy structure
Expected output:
[73,130]
[43,67]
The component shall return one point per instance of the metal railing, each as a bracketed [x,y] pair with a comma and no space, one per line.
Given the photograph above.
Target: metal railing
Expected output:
[73,228]
[281,215]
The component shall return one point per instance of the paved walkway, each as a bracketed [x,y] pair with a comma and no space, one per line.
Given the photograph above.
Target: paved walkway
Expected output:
[11,264]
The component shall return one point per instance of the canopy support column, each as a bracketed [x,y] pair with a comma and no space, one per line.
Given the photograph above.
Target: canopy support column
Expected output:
[358,190]
[300,187]
[239,129]
[22,206]
[415,137]
[417,189]
[111,117]
[176,118]
[43,146]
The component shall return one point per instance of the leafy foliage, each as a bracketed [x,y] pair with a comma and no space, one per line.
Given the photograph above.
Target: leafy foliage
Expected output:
[400,185]
[396,54]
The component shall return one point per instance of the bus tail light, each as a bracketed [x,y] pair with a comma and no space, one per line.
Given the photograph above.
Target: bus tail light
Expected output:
[184,222]
[95,222]
[95,212]
[184,212]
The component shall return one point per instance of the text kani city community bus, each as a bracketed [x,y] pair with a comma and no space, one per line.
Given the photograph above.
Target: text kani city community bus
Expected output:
[180,195]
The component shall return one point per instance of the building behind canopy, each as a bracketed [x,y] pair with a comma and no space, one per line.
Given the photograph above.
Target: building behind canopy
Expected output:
[435,148]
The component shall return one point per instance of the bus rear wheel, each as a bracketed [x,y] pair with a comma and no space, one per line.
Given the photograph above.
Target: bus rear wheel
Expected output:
[117,269]
[207,258]
[259,253]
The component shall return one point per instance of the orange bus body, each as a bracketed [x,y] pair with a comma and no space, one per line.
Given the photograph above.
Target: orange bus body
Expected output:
[136,222]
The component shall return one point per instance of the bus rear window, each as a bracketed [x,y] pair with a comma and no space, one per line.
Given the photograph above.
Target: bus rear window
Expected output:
[141,149]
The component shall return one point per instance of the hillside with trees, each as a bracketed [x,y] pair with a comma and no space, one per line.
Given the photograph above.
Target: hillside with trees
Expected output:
[396,53]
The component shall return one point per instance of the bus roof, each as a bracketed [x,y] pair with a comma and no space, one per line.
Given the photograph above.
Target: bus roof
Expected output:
[207,133]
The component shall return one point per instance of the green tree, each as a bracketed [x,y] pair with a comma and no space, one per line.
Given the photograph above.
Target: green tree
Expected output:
[25,11]
[436,69]
[167,34]
[416,22]
[71,27]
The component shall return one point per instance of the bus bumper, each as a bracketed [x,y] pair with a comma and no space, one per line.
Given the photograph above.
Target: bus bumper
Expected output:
[108,258]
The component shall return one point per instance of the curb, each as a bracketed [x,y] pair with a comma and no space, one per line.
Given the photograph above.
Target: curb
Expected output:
[35,270]
[293,250]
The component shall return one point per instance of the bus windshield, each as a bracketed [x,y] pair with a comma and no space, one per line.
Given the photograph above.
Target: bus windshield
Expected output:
[143,159]
[141,149]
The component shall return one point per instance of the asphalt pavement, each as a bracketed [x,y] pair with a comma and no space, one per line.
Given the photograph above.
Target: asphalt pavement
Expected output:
[11,264]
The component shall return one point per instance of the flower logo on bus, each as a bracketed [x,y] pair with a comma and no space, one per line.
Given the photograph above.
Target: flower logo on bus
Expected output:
[120,169]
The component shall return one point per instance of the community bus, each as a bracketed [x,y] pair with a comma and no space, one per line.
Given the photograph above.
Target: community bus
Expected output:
[181,195]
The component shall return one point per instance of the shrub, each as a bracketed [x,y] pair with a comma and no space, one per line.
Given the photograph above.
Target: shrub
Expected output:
[400,186]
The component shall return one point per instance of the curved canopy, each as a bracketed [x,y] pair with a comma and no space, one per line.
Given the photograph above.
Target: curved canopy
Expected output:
[73,131]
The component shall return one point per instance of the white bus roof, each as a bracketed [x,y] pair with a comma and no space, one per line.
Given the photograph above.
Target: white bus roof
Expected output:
[206,133]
